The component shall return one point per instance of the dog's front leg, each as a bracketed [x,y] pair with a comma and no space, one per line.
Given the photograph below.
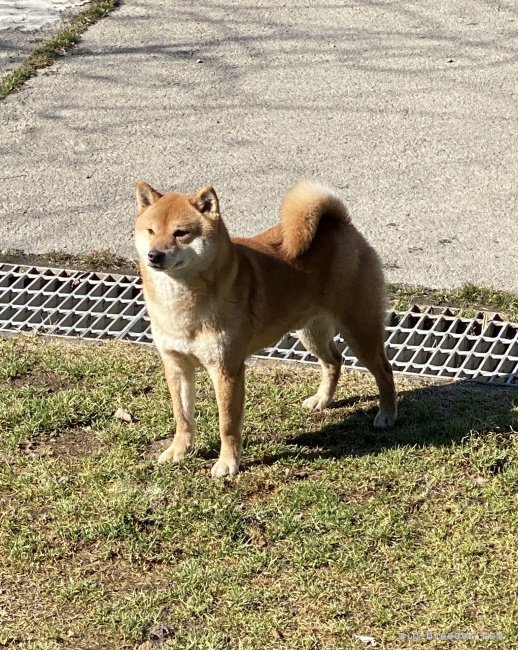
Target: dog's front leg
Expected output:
[179,373]
[230,395]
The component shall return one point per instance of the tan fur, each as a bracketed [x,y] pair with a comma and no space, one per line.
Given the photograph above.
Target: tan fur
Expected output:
[301,210]
[216,300]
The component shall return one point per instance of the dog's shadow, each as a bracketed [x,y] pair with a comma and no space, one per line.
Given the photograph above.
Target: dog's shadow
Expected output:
[436,414]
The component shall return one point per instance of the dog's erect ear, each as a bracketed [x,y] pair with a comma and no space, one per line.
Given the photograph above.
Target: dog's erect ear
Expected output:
[206,201]
[146,195]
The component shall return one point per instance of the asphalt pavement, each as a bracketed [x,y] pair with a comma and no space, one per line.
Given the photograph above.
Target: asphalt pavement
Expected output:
[408,109]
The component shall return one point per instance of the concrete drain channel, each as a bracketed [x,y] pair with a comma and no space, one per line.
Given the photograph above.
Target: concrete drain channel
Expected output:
[424,341]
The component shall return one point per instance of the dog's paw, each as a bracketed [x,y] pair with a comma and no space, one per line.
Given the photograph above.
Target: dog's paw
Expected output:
[224,468]
[167,455]
[176,453]
[384,420]
[316,403]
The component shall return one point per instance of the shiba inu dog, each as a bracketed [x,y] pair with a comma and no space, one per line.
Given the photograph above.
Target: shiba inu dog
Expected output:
[213,300]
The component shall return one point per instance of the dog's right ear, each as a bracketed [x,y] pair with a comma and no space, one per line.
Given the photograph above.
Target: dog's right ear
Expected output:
[146,195]
[206,201]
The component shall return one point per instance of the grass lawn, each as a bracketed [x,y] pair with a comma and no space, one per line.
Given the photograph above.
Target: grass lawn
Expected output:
[61,43]
[331,530]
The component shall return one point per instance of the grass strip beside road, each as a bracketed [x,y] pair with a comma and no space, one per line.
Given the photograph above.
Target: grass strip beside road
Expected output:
[469,298]
[332,530]
[45,55]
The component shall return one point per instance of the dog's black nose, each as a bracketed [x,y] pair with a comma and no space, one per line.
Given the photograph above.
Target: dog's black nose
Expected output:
[156,257]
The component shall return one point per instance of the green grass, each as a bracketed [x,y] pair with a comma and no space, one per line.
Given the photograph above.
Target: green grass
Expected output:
[469,298]
[58,45]
[332,529]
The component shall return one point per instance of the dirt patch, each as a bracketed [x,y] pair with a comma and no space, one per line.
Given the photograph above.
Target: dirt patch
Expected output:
[77,442]
[45,381]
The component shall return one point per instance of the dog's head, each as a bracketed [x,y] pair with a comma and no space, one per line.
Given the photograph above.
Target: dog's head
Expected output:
[177,233]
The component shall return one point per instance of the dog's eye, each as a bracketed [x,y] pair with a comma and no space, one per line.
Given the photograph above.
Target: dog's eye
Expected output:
[151,231]
[181,233]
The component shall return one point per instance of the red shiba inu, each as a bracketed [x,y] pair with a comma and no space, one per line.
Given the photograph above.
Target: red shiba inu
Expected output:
[213,300]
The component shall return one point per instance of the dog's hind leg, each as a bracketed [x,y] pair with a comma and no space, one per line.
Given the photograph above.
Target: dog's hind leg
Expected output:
[366,339]
[317,337]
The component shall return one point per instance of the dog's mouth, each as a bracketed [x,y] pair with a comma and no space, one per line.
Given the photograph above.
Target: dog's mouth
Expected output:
[164,266]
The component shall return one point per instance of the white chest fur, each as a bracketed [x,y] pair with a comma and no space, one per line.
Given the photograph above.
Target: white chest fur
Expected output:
[204,349]
[182,324]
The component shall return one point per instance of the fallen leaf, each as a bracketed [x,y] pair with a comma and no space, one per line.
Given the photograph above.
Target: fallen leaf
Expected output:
[125,416]
[368,640]
[256,536]
[296,475]
[160,632]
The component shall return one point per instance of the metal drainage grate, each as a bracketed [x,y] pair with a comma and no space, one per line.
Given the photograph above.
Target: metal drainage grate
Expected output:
[432,342]
[72,303]
[426,341]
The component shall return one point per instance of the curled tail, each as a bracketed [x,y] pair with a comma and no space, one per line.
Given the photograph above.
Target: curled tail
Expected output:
[302,208]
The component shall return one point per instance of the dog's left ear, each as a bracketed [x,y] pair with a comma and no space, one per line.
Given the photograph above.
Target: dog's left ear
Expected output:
[146,195]
[206,201]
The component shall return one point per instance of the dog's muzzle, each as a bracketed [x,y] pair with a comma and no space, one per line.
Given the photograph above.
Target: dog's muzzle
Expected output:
[156,258]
